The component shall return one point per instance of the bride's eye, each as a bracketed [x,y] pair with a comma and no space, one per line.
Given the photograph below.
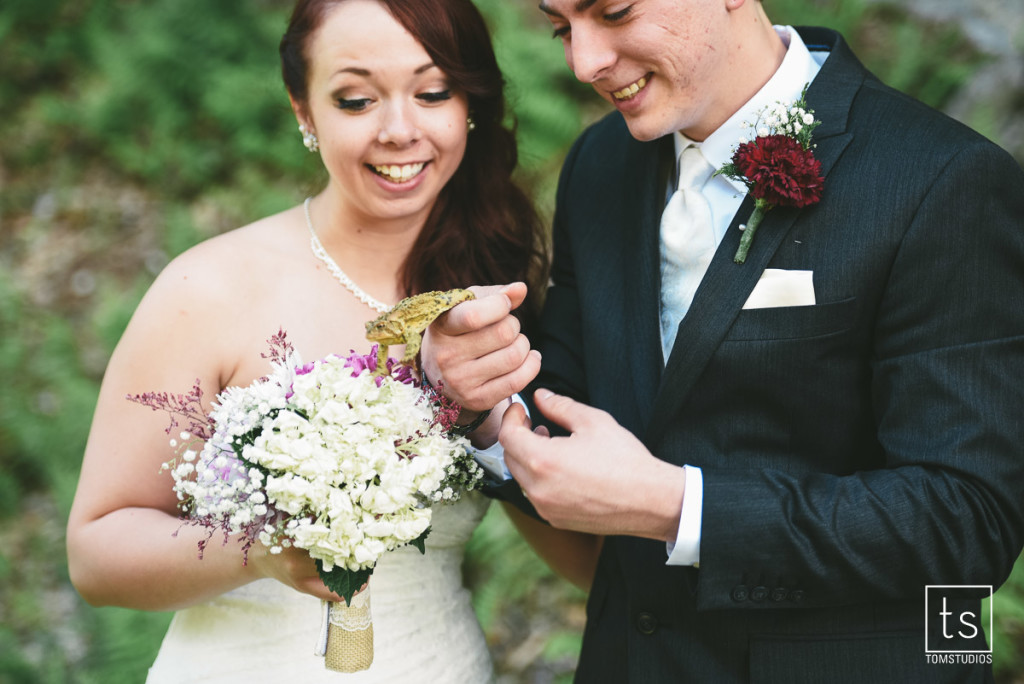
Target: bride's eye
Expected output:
[435,96]
[353,105]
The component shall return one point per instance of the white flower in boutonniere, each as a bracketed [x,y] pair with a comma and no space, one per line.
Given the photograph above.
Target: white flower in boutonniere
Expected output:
[778,166]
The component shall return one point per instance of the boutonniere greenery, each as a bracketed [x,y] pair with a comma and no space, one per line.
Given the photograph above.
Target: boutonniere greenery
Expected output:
[778,166]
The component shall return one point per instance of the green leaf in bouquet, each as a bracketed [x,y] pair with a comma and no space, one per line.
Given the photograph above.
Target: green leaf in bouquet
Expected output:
[343,581]
[420,542]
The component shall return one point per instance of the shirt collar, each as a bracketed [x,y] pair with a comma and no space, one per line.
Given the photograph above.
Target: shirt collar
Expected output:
[798,68]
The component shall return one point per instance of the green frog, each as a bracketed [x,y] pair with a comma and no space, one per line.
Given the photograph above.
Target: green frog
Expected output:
[407,320]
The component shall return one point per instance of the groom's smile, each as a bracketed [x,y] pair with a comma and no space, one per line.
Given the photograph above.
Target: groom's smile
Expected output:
[632,89]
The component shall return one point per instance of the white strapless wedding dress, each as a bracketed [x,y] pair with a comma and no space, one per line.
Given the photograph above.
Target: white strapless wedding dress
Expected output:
[424,626]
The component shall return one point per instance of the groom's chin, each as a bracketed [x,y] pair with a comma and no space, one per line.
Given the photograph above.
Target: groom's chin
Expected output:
[644,127]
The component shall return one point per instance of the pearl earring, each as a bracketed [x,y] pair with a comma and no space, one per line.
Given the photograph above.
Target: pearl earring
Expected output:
[470,123]
[309,138]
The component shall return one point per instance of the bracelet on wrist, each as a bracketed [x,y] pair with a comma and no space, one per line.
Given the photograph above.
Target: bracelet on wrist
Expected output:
[463,430]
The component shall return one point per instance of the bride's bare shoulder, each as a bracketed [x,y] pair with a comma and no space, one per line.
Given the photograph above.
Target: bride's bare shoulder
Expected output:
[243,254]
[235,267]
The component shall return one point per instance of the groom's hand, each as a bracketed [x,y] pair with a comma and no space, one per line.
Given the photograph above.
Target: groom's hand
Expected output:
[600,479]
[476,349]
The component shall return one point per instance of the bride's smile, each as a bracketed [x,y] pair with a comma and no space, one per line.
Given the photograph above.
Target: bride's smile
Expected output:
[398,173]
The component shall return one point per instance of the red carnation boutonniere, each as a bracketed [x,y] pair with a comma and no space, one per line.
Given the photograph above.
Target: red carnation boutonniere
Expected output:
[778,166]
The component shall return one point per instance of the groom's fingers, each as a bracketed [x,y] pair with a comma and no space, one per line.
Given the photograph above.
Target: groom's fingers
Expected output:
[516,437]
[514,419]
[566,412]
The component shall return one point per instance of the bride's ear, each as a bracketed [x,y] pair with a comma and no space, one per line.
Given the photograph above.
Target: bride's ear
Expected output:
[301,115]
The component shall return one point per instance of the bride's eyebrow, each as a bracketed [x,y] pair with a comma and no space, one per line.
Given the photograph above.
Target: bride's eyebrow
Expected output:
[359,71]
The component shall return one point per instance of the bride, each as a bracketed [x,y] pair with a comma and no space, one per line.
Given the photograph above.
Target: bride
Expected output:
[403,102]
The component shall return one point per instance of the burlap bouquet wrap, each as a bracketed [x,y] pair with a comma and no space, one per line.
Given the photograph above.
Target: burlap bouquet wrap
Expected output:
[347,634]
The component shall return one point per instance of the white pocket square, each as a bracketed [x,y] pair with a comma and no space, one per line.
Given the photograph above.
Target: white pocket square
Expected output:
[778,287]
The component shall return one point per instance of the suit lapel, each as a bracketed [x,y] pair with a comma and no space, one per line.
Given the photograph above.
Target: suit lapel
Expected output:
[651,165]
[726,285]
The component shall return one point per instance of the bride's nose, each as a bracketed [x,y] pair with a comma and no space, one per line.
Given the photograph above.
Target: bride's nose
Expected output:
[398,125]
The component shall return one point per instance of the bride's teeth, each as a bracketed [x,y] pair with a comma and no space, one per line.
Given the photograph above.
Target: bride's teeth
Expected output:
[399,173]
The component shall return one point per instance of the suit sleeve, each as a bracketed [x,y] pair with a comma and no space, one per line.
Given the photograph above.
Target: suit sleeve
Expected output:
[946,375]
[563,370]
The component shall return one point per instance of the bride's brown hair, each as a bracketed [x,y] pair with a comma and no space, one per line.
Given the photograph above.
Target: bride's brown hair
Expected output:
[483,229]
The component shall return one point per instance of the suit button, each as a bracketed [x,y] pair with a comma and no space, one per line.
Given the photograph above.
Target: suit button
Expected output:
[779,594]
[796,596]
[740,593]
[646,623]
[758,594]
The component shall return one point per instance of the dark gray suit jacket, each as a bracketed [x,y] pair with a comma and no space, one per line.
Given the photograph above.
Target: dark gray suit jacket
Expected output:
[853,451]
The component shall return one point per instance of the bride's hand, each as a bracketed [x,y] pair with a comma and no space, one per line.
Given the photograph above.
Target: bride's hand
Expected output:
[477,352]
[294,568]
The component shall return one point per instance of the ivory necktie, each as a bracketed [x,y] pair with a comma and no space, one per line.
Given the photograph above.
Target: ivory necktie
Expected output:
[687,243]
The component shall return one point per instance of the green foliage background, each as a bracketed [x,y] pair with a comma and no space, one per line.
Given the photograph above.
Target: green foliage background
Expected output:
[131,130]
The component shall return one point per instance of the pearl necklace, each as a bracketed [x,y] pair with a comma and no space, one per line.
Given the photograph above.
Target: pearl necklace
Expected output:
[320,253]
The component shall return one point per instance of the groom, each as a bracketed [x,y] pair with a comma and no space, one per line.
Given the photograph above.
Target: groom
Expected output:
[783,453]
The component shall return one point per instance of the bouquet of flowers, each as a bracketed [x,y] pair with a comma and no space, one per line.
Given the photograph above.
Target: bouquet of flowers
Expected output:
[337,457]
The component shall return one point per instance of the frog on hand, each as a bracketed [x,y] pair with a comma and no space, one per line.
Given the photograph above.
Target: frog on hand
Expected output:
[405,322]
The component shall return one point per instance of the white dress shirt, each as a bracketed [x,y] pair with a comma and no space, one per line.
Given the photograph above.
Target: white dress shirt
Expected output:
[798,68]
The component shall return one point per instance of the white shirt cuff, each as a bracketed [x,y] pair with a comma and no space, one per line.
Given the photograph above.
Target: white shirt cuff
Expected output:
[492,459]
[686,548]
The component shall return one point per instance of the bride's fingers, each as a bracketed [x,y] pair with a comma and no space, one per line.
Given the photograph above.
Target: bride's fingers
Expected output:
[505,386]
[495,377]
[494,336]
[320,591]
[455,360]
[491,306]
[466,363]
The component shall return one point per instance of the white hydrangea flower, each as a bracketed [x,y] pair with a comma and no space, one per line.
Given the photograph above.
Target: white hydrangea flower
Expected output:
[332,463]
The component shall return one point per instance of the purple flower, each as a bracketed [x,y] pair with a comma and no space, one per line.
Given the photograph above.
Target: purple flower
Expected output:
[360,362]
[403,374]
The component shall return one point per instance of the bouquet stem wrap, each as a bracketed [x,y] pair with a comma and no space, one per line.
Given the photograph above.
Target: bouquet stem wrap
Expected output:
[346,640]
